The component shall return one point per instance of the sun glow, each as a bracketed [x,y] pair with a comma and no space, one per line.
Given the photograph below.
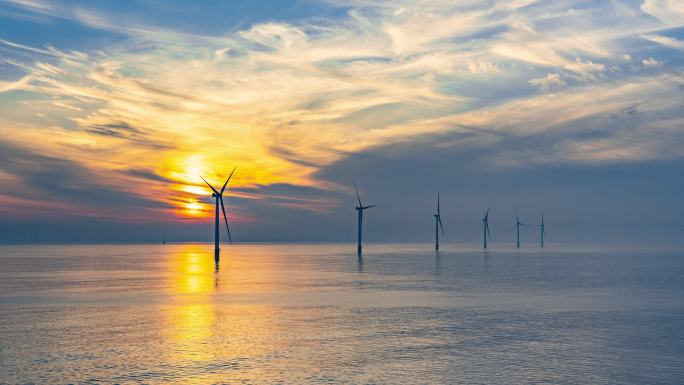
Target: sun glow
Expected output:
[196,190]
[195,209]
[187,171]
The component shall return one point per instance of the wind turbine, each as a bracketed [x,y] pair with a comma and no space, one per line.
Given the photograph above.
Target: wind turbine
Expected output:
[360,209]
[541,229]
[485,228]
[438,225]
[219,199]
[517,228]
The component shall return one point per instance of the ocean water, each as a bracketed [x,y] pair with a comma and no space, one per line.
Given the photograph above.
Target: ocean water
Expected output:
[297,314]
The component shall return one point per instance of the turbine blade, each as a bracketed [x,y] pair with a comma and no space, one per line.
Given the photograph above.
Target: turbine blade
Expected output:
[226,220]
[437,202]
[488,232]
[357,195]
[367,207]
[439,219]
[212,189]
[229,176]
[487,213]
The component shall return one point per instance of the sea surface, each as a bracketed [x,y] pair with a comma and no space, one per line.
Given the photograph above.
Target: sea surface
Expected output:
[298,314]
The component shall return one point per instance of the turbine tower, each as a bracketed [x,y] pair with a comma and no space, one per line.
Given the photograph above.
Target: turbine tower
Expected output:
[541,230]
[219,199]
[360,209]
[485,228]
[517,229]
[438,225]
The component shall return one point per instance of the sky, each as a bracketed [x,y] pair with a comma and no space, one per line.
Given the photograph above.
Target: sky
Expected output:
[111,111]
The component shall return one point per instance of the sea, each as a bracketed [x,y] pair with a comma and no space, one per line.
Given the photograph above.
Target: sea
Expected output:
[319,314]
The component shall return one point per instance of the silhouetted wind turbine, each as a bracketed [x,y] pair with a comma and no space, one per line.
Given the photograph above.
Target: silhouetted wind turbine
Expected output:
[360,209]
[485,228]
[517,228]
[219,199]
[438,225]
[541,229]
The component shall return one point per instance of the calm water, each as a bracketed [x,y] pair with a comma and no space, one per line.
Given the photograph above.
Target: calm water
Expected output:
[315,314]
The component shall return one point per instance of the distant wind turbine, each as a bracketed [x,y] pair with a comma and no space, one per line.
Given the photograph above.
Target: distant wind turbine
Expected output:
[541,229]
[360,209]
[517,228]
[219,199]
[438,225]
[485,228]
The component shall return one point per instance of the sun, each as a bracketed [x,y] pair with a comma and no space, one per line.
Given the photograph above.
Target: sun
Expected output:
[186,170]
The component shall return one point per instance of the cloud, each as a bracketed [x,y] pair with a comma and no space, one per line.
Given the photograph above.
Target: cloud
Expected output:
[587,70]
[652,63]
[72,57]
[670,12]
[67,106]
[666,41]
[8,86]
[117,129]
[47,185]
[146,174]
[549,82]
[32,4]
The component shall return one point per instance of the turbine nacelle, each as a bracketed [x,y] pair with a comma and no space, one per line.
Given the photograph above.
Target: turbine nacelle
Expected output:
[360,207]
[517,220]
